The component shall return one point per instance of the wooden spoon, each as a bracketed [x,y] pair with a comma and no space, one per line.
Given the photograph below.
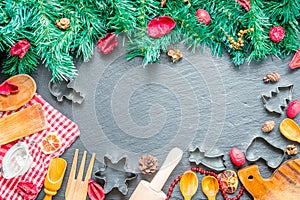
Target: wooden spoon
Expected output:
[27,88]
[290,129]
[54,177]
[188,184]
[210,187]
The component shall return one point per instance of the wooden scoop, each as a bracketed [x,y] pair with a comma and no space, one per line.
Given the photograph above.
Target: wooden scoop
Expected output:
[290,129]
[188,184]
[210,187]
[27,89]
[54,177]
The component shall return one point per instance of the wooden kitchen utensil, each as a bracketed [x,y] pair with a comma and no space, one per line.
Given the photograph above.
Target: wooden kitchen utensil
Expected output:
[54,178]
[27,88]
[210,187]
[290,129]
[152,190]
[22,123]
[188,184]
[283,184]
[76,187]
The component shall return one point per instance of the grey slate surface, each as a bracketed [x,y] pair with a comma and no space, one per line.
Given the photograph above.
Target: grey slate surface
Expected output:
[201,101]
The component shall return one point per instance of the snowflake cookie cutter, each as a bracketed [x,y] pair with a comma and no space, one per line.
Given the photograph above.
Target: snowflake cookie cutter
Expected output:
[213,162]
[272,93]
[115,174]
[260,148]
[65,89]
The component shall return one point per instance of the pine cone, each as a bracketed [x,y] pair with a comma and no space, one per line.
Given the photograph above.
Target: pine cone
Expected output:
[273,77]
[268,126]
[291,150]
[63,23]
[148,164]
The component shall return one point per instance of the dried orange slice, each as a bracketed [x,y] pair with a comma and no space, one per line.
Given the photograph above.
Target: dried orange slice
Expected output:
[50,143]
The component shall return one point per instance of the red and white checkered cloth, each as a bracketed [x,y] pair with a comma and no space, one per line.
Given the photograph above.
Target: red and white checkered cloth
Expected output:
[66,130]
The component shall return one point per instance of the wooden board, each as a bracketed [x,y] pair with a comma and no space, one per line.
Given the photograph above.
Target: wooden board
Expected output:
[27,89]
[22,123]
[283,184]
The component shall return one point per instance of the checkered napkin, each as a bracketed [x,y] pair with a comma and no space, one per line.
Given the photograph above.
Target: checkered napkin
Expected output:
[67,131]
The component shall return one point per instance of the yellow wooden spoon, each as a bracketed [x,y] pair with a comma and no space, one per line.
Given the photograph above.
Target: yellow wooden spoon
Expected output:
[290,129]
[188,184]
[210,187]
[54,177]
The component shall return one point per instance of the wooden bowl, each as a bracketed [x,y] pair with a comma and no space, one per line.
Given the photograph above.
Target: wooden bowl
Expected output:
[27,89]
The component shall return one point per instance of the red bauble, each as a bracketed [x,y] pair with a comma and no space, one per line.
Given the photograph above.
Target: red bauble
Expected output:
[107,43]
[293,109]
[295,63]
[245,4]
[160,26]
[277,33]
[20,48]
[203,16]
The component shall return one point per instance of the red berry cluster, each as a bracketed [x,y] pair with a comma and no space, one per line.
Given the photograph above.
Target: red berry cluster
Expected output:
[206,172]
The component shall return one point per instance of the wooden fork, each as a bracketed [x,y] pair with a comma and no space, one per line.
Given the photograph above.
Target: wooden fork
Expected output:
[77,188]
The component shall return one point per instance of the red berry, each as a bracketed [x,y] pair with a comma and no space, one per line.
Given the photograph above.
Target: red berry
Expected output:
[277,33]
[203,16]
[237,157]
[293,109]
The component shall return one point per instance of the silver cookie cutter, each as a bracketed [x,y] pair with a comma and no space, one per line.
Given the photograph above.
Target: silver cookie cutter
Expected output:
[213,162]
[271,94]
[64,89]
[114,175]
[260,148]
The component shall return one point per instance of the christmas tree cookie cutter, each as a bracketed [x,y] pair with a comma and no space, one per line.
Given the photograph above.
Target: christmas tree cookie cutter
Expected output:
[213,162]
[262,149]
[115,174]
[273,93]
[65,89]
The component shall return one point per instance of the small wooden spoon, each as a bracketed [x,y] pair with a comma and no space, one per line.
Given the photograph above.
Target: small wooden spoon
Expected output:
[210,187]
[54,177]
[188,184]
[27,88]
[290,129]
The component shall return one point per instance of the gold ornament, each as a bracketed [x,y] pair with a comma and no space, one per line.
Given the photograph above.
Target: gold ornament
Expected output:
[268,126]
[63,23]
[174,54]
[273,77]
[240,42]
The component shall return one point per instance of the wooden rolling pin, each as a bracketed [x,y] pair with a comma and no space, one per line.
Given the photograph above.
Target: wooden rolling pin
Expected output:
[22,123]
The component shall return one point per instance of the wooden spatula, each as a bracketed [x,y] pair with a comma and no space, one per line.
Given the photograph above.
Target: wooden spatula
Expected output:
[22,123]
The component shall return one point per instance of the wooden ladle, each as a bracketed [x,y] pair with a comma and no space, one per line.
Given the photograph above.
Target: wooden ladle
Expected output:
[290,129]
[188,184]
[54,177]
[210,187]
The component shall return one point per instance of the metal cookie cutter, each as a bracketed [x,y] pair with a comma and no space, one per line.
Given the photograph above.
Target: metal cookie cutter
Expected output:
[266,98]
[64,89]
[213,162]
[114,175]
[260,148]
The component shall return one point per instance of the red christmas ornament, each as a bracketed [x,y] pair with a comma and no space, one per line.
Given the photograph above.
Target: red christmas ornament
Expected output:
[203,16]
[245,4]
[237,157]
[277,33]
[295,63]
[20,48]
[107,43]
[160,26]
[95,191]
[27,190]
[8,87]
[293,109]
